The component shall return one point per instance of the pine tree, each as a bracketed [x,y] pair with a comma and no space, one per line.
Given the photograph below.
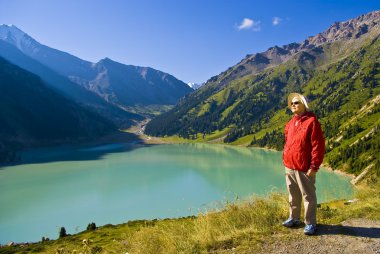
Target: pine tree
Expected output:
[62,232]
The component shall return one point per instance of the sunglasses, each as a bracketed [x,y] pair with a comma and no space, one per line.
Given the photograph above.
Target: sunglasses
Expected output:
[295,103]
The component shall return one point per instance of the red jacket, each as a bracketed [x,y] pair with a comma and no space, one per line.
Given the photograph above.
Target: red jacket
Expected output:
[304,143]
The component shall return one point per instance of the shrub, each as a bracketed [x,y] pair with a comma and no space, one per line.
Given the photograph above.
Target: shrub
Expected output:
[91,226]
[62,232]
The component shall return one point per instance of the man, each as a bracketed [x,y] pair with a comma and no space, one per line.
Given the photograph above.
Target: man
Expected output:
[303,154]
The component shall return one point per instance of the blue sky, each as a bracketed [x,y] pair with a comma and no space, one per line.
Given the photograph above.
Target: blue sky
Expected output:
[192,40]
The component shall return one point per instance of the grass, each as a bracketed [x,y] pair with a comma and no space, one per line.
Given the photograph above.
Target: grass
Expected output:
[229,109]
[204,108]
[240,226]
[149,110]
[277,121]
[214,137]
[244,141]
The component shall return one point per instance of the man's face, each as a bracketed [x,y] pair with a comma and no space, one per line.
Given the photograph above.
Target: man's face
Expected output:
[297,107]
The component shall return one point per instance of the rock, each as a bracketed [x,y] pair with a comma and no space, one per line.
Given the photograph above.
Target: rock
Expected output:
[351,201]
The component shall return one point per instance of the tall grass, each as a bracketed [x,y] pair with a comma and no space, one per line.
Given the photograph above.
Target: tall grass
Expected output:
[244,225]
[213,230]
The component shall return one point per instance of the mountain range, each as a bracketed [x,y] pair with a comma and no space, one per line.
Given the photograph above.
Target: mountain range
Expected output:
[337,70]
[51,97]
[119,85]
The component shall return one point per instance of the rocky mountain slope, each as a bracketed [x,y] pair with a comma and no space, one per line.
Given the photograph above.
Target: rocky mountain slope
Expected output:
[348,33]
[118,84]
[127,85]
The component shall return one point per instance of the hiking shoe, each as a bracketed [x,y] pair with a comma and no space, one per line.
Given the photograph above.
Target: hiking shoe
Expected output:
[310,229]
[289,223]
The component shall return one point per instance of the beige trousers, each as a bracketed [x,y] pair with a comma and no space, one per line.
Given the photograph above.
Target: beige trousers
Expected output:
[300,186]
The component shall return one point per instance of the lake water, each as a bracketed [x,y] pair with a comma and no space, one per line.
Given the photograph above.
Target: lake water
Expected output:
[74,186]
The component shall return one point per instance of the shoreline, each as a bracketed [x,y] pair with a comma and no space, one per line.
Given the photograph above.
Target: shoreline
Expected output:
[339,172]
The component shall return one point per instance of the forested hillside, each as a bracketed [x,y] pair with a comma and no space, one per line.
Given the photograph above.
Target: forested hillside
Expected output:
[32,114]
[337,70]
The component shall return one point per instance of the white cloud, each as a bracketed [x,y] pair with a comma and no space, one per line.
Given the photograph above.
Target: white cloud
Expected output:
[276,21]
[245,24]
[250,24]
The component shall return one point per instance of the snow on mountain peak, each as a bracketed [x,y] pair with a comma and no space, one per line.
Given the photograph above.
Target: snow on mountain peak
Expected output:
[195,86]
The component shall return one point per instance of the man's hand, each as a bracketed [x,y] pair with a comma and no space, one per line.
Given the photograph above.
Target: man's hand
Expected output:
[311,172]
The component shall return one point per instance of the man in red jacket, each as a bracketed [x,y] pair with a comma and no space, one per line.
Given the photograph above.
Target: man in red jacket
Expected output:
[303,154]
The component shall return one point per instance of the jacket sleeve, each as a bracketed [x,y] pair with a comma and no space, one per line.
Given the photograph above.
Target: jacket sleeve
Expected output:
[317,146]
[286,132]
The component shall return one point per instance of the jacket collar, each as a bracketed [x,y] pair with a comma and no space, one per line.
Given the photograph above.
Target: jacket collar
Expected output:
[302,116]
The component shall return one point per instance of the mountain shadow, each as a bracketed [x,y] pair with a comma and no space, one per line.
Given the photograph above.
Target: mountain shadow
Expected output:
[68,89]
[32,114]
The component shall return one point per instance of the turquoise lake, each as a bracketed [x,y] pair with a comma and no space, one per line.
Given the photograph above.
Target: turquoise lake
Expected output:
[115,183]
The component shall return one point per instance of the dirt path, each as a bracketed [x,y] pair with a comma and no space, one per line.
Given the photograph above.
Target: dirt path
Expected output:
[354,236]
